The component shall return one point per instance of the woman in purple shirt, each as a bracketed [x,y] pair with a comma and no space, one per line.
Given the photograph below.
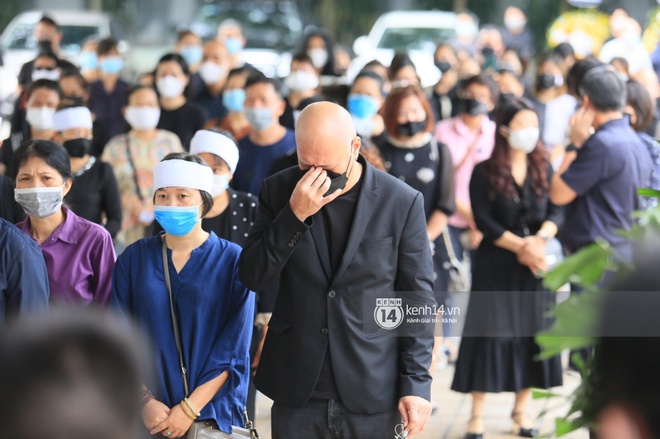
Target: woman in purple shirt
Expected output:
[79,254]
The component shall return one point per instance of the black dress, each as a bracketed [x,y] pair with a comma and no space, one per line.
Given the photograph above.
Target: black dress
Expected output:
[508,304]
[9,208]
[185,121]
[95,195]
[428,169]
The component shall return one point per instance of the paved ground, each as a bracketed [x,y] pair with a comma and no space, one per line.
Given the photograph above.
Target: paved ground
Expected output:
[450,420]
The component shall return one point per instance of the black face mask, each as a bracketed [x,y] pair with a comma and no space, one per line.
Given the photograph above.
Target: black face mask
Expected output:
[488,52]
[77,147]
[504,97]
[410,128]
[443,66]
[338,181]
[472,107]
[545,81]
[45,46]
[74,101]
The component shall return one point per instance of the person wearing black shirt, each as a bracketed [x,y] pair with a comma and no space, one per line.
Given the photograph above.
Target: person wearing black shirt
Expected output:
[108,94]
[508,303]
[177,114]
[444,97]
[9,208]
[213,71]
[43,98]
[48,35]
[331,233]
[95,193]
[413,155]
[47,68]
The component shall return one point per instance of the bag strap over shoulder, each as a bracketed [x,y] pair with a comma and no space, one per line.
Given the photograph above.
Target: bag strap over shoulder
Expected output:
[175,323]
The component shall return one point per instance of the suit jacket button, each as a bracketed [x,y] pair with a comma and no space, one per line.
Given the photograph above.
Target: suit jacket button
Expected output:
[331,294]
[324,331]
[298,234]
[291,244]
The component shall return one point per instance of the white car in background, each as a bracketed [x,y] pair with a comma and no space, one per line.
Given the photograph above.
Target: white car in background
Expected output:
[19,46]
[415,32]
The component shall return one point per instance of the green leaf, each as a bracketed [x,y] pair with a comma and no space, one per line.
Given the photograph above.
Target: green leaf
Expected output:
[576,320]
[542,393]
[647,192]
[564,426]
[583,268]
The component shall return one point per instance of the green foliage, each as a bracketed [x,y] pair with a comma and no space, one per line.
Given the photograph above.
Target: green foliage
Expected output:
[576,319]
[574,327]
[583,268]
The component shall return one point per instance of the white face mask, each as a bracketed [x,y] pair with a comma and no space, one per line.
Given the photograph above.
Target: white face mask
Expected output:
[170,87]
[525,139]
[40,118]
[52,75]
[515,23]
[301,80]
[319,57]
[142,118]
[466,29]
[220,184]
[211,72]
[40,202]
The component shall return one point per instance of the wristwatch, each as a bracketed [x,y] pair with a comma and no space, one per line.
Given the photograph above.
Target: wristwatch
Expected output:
[570,147]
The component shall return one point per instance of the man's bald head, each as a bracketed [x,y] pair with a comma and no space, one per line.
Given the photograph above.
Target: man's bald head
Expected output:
[324,120]
[324,131]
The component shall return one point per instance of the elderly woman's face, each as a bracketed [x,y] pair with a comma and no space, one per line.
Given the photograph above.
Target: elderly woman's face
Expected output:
[35,172]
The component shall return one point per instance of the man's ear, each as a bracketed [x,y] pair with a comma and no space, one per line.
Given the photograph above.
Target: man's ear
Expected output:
[355,146]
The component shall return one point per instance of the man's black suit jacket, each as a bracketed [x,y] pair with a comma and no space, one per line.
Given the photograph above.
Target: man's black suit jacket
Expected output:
[387,250]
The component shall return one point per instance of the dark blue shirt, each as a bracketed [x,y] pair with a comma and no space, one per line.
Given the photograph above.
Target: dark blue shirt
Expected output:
[213,105]
[256,160]
[215,316]
[23,277]
[107,106]
[608,170]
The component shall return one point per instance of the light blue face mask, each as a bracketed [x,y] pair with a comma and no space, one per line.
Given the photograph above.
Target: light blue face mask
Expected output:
[111,65]
[362,106]
[88,60]
[192,54]
[233,45]
[260,118]
[233,99]
[177,220]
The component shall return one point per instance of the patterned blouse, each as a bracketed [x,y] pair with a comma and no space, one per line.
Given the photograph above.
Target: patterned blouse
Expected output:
[133,161]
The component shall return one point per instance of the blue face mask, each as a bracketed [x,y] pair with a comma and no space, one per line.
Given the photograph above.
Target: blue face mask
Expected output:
[88,60]
[177,220]
[260,118]
[111,65]
[233,99]
[233,45]
[362,106]
[192,54]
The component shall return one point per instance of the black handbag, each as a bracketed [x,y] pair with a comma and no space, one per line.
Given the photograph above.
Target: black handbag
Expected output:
[201,429]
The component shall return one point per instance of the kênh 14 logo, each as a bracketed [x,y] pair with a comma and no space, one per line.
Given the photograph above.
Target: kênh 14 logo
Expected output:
[390,313]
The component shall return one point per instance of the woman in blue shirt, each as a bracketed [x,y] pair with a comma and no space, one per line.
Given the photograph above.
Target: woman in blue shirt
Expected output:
[214,309]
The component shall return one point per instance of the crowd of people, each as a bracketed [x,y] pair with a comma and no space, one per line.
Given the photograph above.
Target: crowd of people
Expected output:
[243,220]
